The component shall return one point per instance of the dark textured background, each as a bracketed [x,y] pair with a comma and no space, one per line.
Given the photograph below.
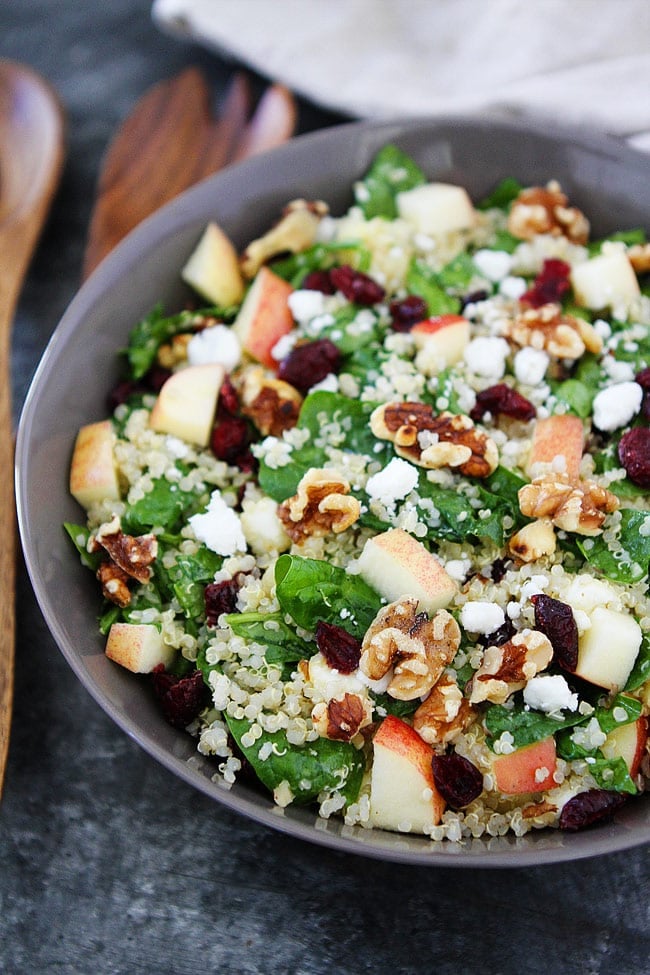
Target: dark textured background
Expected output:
[108,864]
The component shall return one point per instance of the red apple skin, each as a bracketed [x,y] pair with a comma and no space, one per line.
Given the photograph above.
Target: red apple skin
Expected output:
[562,434]
[264,316]
[515,773]
[634,756]
[400,738]
[428,326]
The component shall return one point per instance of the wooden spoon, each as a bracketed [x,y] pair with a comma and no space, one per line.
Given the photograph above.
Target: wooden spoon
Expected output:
[170,141]
[31,160]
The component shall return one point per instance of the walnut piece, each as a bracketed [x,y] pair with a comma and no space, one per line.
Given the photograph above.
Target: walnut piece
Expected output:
[174,352]
[133,554]
[272,404]
[445,713]
[574,506]
[434,441]
[340,719]
[508,668]
[294,232]
[546,210]
[549,328]
[115,583]
[639,255]
[533,541]
[321,505]
[417,647]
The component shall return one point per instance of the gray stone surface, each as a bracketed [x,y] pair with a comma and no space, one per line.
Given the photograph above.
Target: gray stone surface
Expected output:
[110,865]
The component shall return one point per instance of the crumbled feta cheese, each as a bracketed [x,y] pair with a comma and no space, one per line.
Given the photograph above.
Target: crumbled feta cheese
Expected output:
[330,384]
[618,371]
[549,692]
[306,304]
[283,346]
[533,586]
[176,447]
[616,405]
[393,483]
[219,527]
[603,328]
[215,344]
[458,568]
[530,365]
[480,617]
[494,265]
[513,287]
[486,356]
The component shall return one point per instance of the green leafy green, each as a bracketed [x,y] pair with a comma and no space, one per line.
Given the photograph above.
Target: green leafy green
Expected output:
[188,577]
[607,460]
[456,275]
[392,172]
[627,558]
[311,590]
[641,670]
[164,505]
[156,328]
[502,195]
[283,645]
[577,397]
[400,709]
[460,519]
[422,280]
[525,725]
[636,235]
[79,536]
[608,720]
[318,766]
[321,257]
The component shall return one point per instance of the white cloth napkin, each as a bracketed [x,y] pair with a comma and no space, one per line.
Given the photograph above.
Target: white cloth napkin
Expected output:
[582,62]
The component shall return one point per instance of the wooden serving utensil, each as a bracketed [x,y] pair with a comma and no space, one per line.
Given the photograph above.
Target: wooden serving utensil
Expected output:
[31,160]
[170,141]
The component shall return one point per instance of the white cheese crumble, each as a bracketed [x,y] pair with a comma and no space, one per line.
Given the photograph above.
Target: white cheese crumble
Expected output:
[284,345]
[215,344]
[480,617]
[393,483]
[549,693]
[219,527]
[494,265]
[616,405]
[513,287]
[530,365]
[306,304]
[486,356]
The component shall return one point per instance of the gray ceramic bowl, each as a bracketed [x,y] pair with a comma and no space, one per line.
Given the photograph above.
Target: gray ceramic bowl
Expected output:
[603,177]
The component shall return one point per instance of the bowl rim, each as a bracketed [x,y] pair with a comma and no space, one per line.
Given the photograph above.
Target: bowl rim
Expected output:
[148,235]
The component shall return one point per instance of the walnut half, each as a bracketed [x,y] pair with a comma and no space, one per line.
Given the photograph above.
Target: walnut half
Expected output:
[434,441]
[340,719]
[574,506]
[444,714]
[546,210]
[551,329]
[508,668]
[272,404]
[418,648]
[321,505]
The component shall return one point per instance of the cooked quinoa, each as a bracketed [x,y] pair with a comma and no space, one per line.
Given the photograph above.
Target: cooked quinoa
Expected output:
[372,556]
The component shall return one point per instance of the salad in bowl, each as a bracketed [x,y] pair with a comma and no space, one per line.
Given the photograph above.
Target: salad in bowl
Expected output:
[371,515]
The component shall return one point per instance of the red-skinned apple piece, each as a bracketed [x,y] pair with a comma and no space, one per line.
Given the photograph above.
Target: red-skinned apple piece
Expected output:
[138,647]
[527,769]
[93,474]
[559,435]
[403,795]
[264,316]
[187,403]
[628,742]
[396,564]
[441,341]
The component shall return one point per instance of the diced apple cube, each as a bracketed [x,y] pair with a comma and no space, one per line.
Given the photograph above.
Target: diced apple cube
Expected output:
[605,281]
[93,474]
[396,564]
[213,268]
[403,795]
[629,742]
[138,646]
[527,769]
[436,208]
[187,403]
[441,341]
[557,440]
[264,316]
[608,648]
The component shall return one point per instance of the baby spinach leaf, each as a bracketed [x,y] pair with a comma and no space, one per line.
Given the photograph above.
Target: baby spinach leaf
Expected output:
[607,460]
[612,774]
[156,327]
[400,709]
[79,536]
[457,275]
[459,519]
[627,559]
[608,721]
[575,396]
[502,195]
[163,505]
[321,257]
[311,590]
[422,280]
[189,576]
[309,769]
[392,172]
[526,726]
[270,630]
[641,670]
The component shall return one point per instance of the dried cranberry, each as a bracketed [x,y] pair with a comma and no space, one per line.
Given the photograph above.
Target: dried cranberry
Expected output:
[156,378]
[228,399]
[341,650]
[499,568]
[181,698]
[318,281]
[634,455]
[589,807]
[473,297]
[356,286]
[121,393]
[502,399]
[230,439]
[550,285]
[497,637]
[457,780]
[555,620]
[308,363]
[220,597]
[407,312]
[643,379]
